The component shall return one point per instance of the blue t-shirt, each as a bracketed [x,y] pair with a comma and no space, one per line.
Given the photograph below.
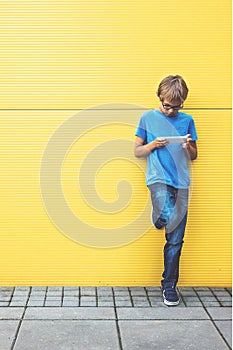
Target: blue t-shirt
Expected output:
[169,164]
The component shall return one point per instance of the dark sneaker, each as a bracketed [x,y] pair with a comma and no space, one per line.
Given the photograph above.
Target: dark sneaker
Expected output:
[170,297]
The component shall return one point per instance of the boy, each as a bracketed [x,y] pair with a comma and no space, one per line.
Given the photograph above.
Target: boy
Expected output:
[167,174]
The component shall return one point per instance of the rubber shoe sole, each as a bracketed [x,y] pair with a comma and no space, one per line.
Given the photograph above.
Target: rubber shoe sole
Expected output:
[169,303]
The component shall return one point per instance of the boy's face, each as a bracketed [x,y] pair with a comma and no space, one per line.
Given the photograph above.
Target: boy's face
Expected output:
[166,107]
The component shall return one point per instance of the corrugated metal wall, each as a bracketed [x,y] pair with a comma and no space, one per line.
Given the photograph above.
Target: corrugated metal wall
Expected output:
[59,58]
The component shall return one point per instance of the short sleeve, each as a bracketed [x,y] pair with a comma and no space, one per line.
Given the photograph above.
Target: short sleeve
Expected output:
[141,130]
[192,130]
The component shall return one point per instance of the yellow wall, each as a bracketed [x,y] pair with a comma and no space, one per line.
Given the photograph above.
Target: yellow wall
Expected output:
[60,57]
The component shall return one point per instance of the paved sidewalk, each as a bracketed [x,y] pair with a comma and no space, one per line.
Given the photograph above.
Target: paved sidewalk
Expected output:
[114,318]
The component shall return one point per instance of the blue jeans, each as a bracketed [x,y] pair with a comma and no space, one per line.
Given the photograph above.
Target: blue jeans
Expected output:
[170,207]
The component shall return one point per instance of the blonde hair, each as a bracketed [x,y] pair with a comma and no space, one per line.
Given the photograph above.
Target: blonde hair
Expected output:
[173,88]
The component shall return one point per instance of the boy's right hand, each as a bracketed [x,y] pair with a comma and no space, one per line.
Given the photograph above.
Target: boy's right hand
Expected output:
[160,142]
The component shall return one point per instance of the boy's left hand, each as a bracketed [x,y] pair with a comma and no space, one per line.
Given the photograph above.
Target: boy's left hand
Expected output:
[187,144]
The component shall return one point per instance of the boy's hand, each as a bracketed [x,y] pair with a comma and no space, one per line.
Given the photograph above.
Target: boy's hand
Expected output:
[187,144]
[160,142]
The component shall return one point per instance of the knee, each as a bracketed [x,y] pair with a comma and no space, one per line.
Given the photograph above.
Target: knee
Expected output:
[175,244]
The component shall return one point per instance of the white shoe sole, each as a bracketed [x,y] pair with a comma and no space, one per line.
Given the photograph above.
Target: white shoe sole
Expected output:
[170,303]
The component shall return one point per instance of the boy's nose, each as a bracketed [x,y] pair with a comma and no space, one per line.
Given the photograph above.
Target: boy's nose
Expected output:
[172,111]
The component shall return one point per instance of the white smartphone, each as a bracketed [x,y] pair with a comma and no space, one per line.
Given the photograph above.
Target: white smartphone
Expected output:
[174,139]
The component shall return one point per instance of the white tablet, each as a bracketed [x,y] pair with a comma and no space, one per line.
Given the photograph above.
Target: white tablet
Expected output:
[174,139]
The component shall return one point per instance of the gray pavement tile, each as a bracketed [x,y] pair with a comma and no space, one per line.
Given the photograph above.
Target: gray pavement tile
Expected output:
[217,288]
[71,295]
[7,333]
[52,303]
[104,291]
[123,303]
[208,298]
[4,303]
[5,295]
[226,303]
[154,294]
[106,303]
[54,288]
[87,301]
[37,297]
[54,294]
[38,292]
[14,313]
[225,328]
[153,289]
[88,304]
[224,298]
[202,288]
[123,298]
[22,288]
[53,297]
[70,302]
[39,288]
[121,292]
[140,301]
[63,335]
[194,304]
[211,304]
[69,313]
[107,299]
[118,288]
[5,298]
[175,335]
[162,313]
[221,293]
[220,313]
[88,291]
[20,295]
[137,291]
[188,293]
[18,300]
[205,294]
[15,301]
[18,303]
[6,289]
[190,298]
[157,303]
[69,288]
[35,303]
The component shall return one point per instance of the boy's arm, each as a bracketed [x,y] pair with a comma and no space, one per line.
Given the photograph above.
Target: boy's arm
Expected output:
[143,150]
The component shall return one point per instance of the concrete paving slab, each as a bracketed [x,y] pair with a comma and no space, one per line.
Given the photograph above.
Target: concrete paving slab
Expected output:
[104,291]
[7,333]
[165,313]
[225,328]
[64,335]
[11,313]
[175,335]
[69,313]
[220,313]
[4,303]
[35,303]
[71,302]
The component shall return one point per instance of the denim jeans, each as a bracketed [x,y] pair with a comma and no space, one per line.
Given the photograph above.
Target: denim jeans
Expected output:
[170,207]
